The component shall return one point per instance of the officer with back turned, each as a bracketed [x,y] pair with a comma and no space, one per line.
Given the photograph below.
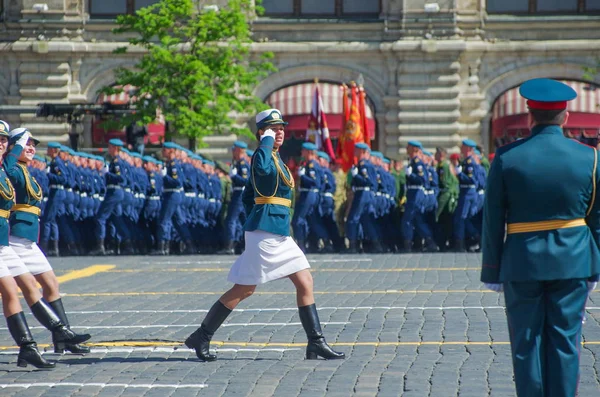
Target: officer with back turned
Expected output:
[541,242]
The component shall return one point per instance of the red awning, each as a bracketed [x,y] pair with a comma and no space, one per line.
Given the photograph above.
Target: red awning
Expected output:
[295,103]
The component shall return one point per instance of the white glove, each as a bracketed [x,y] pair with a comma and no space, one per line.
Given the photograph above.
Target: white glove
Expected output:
[408,171]
[48,170]
[267,133]
[301,171]
[23,139]
[233,171]
[459,169]
[591,285]
[104,169]
[496,287]
[354,171]
[163,172]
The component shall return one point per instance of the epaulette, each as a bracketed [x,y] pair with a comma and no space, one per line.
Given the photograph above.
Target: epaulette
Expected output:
[468,161]
[310,165]
[115,160]
[417,160]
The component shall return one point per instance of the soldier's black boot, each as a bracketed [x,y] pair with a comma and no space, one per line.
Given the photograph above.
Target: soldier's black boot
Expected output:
[459,246]
[406,246]
[44,247]
[317,346]
[127,247]
[160,248]
[376,247]
[301,245]
[229,249]
[59,309]
[352,247]
[200,339]
[28,352]
[53,248]
[189,248]
[99,249]
[430,245]
[61,335]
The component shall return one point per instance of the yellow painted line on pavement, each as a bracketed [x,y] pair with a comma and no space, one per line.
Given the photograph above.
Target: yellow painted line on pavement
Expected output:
[90,294]
[226,269]
[85,272]
[275,344]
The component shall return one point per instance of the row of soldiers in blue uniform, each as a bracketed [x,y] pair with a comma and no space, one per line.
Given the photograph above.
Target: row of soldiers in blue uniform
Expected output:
[128,205]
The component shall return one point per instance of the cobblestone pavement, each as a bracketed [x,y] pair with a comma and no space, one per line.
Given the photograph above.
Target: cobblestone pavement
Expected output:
[411,325]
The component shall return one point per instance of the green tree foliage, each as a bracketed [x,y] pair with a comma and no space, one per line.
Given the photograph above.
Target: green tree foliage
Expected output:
[196,66]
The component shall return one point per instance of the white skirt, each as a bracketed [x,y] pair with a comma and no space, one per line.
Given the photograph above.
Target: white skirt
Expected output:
[30,254]
[267,257]
[10,263]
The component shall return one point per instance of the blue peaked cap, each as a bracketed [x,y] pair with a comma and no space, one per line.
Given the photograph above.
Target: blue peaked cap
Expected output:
[547,91]
[309,146]
[170,145]
[54,145]
[249,152]
[240,144]
[362,146]
[416,144]
[469,143]
[377,154]
[116,142]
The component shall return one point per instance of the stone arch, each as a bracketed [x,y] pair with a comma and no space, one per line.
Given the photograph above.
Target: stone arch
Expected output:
[102,76]
[301,73]
[503,82]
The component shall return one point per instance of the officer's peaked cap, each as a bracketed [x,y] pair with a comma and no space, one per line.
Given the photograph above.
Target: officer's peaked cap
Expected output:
[469,143]
[209,162]
[427,153]
[269,117]
[4,128]
[377,154]
[54,145]
[323,155]
[170,145]
[148,159]
[546,94]
[362,146]
[416,144]
[136,155]
[17,133]
[240,144]
[386,160]
[116,142]
[249,152]
[309,146]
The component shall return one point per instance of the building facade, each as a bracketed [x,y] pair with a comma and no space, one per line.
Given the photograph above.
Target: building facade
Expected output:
[432,70]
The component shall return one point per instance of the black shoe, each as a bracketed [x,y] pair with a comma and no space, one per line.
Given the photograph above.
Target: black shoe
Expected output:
[53,248]
[61,335]
[59,309]
[200,339]
[406,246]
[317,346]
[127,248]
[229,249]
[459,246]
[99,249]
[430,245]
[28,352]
[352,247]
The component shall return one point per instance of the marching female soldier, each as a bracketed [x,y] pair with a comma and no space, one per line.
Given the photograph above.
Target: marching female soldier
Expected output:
[24,231]
[270,251]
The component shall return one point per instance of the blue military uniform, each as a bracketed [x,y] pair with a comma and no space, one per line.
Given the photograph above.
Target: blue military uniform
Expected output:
[417,185]
[236,216]
[542,191]
[311,178]
[332,241]
[362,210]
[468,196]
[55,207]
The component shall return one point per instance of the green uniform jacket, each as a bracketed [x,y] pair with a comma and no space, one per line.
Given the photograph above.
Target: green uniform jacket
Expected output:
[540,178]
[272,218]
[447,199]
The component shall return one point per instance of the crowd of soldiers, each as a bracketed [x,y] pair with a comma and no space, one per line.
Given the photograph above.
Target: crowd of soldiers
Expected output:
[187,204]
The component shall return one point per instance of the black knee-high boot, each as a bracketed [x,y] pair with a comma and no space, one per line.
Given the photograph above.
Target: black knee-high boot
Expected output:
[317,346]
[28,351]
[59,309]
[61,335]
[200,339]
